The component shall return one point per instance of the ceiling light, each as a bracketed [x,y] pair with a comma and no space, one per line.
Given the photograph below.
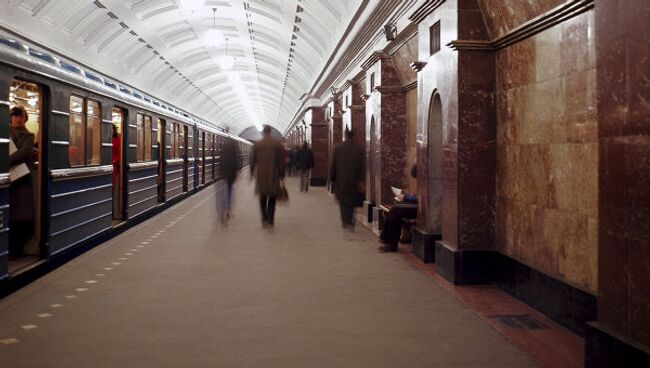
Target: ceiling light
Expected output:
[227,62]
[213,37]
[234,78]
[192,5]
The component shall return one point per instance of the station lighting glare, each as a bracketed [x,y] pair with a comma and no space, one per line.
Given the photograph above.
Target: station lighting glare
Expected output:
[227,62]
[192,5]
[213,37]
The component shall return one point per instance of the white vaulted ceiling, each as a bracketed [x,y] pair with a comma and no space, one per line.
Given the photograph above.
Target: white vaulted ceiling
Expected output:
[280,46]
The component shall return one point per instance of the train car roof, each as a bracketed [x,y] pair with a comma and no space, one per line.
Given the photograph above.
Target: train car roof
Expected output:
[25,55]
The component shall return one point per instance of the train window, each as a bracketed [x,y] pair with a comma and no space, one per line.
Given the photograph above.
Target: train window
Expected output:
[147,138]
[137,95]
[110,84]
[143,137]
[76,150]
[27,95]
[93,77]
[42,56]
[85,132]
[125,90]
[69,67]
[93,133]
[11,43]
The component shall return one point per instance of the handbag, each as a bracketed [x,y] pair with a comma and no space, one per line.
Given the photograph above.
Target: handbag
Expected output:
[283,194]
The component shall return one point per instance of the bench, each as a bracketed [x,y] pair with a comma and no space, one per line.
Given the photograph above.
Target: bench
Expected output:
[407,224]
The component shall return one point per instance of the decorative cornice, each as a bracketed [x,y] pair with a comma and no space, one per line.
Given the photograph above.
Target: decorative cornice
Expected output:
[389,89]
[417,66]
[356,107]
[544,21]
[534,26]
[374,57]
[457,45]
[424,10]
[410,86]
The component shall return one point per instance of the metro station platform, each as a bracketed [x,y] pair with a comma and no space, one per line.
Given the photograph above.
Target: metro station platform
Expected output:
[179,290]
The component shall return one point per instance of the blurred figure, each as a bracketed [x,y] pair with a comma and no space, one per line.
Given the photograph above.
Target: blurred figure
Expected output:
[291,166]
[304,164]
[267,166]
[21,197]
[229,157]
[347,172]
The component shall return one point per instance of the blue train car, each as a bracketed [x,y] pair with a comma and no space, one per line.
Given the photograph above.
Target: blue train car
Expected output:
[107,155]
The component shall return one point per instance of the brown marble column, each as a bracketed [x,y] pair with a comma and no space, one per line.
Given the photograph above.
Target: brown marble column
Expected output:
[621,337]
[385,129]
[319,145]
[460,81]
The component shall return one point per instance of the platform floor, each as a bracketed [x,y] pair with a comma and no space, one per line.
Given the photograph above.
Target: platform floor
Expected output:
[181,291]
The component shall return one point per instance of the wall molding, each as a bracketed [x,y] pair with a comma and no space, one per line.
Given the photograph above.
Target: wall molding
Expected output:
[551,18]
[389,89]
[424,10]
[409,86]
[374,58]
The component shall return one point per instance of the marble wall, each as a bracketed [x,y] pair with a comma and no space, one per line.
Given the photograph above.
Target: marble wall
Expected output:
[502,16]
[623,79]
[547,156]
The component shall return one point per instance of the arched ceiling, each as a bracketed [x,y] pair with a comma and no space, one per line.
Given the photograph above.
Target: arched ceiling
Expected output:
[280,47]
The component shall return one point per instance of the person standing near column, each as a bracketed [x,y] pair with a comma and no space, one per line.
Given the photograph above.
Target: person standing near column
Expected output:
[267,166]
[347,172]
[304,164]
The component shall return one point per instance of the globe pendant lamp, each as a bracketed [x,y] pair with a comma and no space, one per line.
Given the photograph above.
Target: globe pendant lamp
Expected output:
[212,36]
[192,5]
[227,62]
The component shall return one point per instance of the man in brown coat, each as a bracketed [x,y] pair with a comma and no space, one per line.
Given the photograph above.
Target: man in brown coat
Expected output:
[347,171]
[267,165]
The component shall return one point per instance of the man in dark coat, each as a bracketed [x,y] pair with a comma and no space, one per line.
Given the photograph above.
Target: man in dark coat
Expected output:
[304,163]
[347,172]
[267,166]
[21,196]
[229,167]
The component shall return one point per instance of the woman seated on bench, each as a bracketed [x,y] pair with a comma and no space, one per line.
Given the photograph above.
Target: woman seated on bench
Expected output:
[406,208]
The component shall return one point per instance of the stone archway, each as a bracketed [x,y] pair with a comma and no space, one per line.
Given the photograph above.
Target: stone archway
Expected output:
[434,143]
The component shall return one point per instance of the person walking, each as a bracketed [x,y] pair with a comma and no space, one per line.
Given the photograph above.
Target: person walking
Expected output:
[21,195]
[267,166]
[229,168]
[304,164]
[347,172]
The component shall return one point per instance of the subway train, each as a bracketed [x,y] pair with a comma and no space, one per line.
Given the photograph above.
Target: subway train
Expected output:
[80,197]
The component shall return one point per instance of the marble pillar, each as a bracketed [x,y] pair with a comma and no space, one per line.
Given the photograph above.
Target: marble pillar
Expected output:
[622,334]
[319,145]
[385,129]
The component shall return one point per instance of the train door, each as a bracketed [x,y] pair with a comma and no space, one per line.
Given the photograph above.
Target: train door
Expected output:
[27,192]
[162,129]
[118,119]
[185,159]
